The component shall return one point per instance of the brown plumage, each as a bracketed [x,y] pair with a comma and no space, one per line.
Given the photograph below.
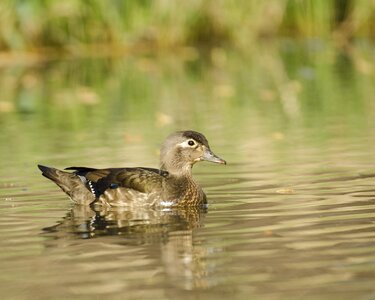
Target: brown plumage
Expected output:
[171,185]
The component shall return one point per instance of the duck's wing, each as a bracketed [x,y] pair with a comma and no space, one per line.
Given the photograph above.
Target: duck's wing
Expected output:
[144,180]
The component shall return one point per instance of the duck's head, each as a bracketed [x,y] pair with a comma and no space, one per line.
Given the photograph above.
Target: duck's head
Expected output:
[182,149]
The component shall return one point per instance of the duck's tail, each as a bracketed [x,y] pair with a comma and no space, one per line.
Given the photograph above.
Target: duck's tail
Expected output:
[70,183]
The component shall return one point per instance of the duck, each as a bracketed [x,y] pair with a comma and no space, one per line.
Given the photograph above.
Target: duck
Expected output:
[171,185]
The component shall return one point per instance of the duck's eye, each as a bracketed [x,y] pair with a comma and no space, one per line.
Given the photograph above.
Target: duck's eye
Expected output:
[191,143]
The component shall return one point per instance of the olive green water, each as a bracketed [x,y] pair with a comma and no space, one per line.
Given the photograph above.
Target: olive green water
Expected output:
[292,215]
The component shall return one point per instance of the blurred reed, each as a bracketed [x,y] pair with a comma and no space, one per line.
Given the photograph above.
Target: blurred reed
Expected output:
[70,26]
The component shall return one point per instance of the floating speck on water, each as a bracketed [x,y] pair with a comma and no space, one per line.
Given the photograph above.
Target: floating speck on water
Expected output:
[285,191]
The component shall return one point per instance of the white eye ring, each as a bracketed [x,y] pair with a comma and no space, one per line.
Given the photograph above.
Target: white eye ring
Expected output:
[191,143]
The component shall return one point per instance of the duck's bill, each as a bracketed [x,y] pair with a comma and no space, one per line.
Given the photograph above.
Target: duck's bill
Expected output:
[209,156]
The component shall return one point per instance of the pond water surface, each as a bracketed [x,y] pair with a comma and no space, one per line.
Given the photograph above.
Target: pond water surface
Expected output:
[292,215]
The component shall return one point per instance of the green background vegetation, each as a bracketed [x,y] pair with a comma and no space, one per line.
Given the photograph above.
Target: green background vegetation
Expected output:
[73,25]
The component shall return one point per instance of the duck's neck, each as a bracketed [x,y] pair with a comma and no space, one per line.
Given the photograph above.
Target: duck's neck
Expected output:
[181,187]
[178,170]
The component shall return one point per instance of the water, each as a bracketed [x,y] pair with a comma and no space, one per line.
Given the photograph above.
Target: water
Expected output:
[290,217]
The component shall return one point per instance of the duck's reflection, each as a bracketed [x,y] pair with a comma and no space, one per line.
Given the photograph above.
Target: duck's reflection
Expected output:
[181,259]
[89,223]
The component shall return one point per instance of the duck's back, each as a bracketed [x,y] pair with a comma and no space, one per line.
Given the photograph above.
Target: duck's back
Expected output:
[115,186]
[142,187]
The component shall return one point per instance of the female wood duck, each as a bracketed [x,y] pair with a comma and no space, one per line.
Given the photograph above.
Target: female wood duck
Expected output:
[171,185]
